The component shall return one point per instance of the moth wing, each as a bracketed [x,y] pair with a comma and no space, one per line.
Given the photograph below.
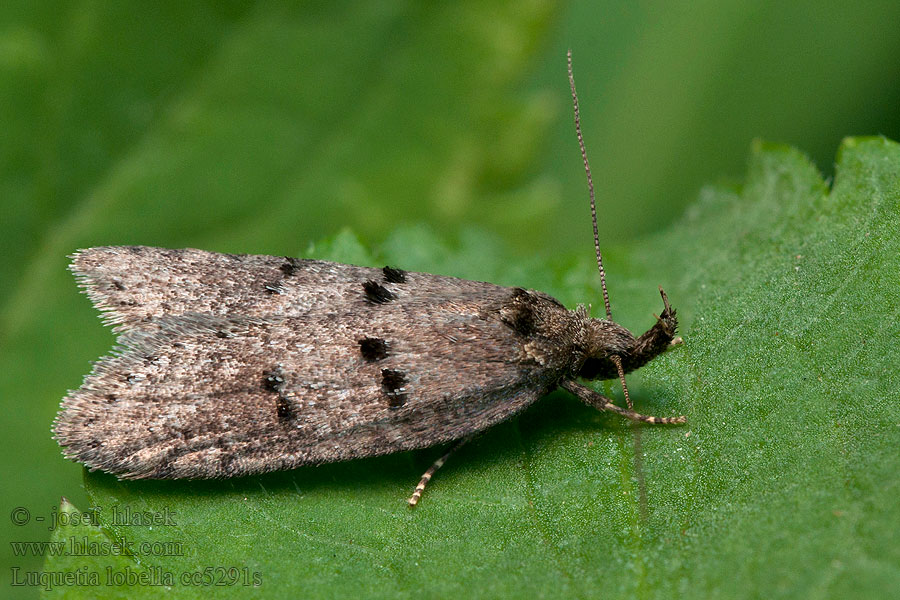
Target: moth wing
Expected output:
[205,395]
[133,285]
[183,403]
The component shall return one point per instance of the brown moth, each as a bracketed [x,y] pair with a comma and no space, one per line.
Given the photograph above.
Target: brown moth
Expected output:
[230,365]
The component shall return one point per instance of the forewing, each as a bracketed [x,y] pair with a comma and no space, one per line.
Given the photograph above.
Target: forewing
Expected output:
[135,284]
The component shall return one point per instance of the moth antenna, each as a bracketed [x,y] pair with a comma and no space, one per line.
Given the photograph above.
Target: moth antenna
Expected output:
[587,170]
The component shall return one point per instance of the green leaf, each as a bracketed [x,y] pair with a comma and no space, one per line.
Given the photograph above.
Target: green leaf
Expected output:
[783,483]
[81,557]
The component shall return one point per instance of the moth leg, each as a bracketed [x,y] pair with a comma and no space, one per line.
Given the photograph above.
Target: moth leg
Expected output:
[426,477]
[601,402]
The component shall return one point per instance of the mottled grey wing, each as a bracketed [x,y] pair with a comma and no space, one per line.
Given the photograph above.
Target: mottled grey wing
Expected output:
[293,362]
[134,284]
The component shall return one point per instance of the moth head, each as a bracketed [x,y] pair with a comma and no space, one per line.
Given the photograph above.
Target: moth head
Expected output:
[606,339]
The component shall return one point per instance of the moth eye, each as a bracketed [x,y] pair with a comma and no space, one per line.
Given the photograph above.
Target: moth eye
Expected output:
[373,349]
[377,293]
[392,275]
[393,384]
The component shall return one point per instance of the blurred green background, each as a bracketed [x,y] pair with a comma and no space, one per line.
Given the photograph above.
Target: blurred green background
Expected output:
[262,127]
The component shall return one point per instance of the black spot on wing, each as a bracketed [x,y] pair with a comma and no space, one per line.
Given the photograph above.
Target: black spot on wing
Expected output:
[520,313]
[273,381]
[392,275]
[393,384]
[283,408]
[373,349]
[377,293]
[290,266]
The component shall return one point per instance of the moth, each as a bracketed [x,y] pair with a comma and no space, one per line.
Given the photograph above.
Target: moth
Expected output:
[230,365]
